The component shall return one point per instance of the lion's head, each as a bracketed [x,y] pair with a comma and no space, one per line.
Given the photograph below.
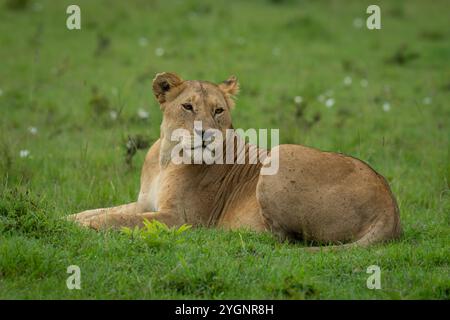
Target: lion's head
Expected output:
[186,102]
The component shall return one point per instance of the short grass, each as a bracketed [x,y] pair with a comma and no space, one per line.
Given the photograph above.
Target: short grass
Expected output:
[69,85]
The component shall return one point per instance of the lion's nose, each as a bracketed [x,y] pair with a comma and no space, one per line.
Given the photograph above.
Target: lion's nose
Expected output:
[199,132]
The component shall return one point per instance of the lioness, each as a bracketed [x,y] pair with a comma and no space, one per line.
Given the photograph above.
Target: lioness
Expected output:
[316,196]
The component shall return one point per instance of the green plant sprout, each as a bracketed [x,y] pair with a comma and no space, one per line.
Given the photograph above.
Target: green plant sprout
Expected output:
[157,234]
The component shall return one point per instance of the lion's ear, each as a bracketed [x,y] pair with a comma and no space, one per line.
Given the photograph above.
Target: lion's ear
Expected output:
[163,83]
[230,86]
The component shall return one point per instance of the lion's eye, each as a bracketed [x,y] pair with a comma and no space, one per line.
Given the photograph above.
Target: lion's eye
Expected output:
[187,106]
[218,111]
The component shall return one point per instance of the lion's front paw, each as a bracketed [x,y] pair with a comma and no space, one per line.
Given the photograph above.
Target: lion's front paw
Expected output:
[96,222]
[84,216]
[72,217]
[84,219]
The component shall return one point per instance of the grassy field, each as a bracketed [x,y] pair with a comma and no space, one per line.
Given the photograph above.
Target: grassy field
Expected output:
[71,100]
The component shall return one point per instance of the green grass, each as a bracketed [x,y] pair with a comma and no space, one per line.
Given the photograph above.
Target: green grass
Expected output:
[66,83]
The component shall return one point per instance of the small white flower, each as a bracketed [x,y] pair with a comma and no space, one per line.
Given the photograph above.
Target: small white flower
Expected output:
[329,103]
[358,23]
[427,100]
[298,99]
[24,153]
[364,83]
[143,114]
[143,42]
[386,106]
[33,130]
[276,51]
[159,52]
[347,81]
[113,114]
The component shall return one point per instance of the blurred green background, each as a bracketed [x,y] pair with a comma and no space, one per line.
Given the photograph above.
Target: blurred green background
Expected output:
[77,114]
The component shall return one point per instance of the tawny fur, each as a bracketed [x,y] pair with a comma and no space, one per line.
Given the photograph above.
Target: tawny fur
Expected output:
[316,196]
